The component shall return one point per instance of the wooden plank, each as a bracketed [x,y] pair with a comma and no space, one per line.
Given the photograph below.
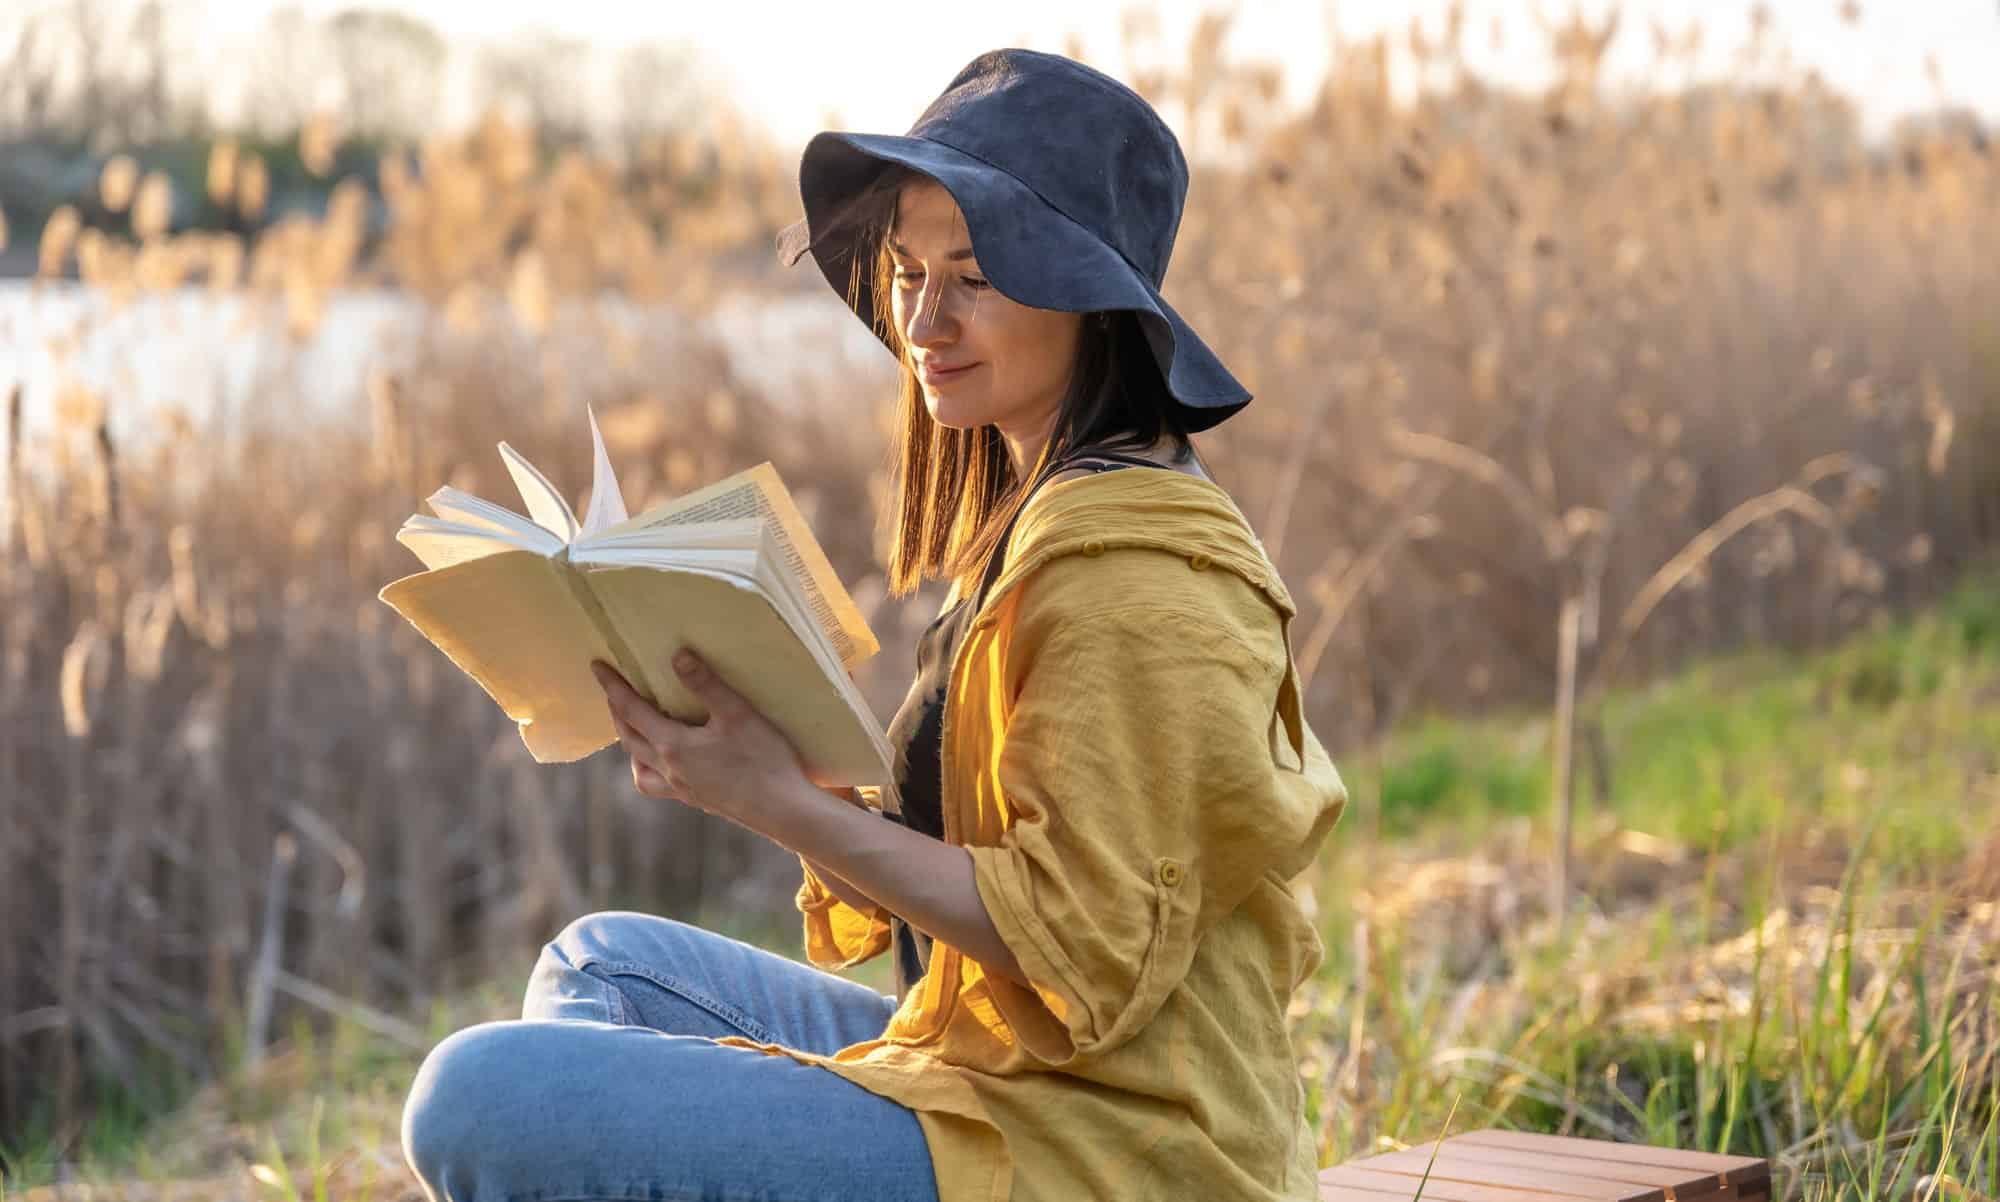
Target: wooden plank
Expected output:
[1734,1170]
[1333,1191]
[1399,1185]
[1720,1193]
[1456,1166]
[1609,1162]
[1756,1191]
[1393,1187]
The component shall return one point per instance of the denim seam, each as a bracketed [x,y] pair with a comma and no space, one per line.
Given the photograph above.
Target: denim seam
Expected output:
[748,1026]
[653,1196]
[621,1014]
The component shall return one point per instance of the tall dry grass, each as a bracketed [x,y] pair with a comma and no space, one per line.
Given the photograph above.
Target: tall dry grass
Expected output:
[1639,315]
[1517,356]
[197,672]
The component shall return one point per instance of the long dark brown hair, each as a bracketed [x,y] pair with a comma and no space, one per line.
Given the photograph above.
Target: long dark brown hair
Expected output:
[957,490]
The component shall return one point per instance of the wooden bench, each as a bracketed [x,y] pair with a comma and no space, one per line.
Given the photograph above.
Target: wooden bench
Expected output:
[1515,1166]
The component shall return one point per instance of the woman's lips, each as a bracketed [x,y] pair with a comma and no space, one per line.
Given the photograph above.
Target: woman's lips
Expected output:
[933,375]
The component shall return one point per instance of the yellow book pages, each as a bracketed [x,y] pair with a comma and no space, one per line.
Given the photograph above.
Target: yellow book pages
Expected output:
[523,606]
[759,493]
[741,635]
[510,622]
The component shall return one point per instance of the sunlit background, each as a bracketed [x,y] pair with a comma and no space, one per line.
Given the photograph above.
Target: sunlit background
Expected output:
[800,67]
[1628,429]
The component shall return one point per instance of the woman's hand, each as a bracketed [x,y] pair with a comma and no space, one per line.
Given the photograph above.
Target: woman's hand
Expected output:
[731,766]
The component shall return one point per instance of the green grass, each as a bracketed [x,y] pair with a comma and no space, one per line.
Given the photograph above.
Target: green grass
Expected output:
[1903,722]
[1779,945]
[1773,948]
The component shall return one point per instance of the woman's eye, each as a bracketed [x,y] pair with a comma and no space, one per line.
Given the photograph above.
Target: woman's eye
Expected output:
[912,277]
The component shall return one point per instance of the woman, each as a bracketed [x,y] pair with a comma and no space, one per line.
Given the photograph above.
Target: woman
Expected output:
[1103,782]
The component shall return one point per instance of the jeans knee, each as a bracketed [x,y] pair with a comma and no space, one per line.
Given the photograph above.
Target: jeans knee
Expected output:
[449,1137]
[613,935]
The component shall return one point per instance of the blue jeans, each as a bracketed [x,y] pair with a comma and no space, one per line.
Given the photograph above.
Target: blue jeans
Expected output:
[611,1086]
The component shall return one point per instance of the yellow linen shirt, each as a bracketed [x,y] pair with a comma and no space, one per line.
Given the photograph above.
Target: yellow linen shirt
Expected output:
[1127,763]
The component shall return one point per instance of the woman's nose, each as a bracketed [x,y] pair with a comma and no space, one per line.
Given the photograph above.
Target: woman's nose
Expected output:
[931,320]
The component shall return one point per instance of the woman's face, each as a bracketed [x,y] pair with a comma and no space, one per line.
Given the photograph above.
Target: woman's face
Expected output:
[981,358]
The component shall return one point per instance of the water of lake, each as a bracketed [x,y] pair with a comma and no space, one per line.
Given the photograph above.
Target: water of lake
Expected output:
[222,357]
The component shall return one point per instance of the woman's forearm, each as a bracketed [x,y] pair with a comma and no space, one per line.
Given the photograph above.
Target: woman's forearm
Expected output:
[839,886]
[836,884]
[926,882]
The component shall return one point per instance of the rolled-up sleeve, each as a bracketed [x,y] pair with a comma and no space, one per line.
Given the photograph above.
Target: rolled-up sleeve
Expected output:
[838,935]
[1138,769]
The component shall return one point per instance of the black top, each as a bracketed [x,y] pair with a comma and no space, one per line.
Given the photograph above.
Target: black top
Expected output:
[916,733]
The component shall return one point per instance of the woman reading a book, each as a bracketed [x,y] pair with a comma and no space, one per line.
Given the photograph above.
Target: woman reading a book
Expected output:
[1103,782]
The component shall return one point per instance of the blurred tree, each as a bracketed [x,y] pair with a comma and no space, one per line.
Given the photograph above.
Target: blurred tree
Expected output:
[391,66]
[89,22]
[540,78]
[28,80]
[153,116]
[657,91]
[289,69]
[101,71]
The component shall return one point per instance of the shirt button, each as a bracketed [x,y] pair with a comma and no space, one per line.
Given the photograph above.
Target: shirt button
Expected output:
[1093,546]
[1199,561]
[1170,872]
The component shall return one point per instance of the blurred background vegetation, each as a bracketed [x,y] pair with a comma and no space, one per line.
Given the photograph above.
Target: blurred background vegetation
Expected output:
[1632,452]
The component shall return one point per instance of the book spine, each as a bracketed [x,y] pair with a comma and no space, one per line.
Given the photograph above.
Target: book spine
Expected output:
[621,653]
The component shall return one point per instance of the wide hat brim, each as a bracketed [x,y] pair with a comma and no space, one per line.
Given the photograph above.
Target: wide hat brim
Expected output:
[1027,248]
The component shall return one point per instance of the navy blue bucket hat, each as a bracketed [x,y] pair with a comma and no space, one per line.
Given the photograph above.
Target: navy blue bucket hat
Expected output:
[1071,187]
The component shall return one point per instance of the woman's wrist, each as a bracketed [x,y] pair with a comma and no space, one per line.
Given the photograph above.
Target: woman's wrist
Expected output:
[794,803]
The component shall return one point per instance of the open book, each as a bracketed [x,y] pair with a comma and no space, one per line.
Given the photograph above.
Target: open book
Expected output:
[524,604]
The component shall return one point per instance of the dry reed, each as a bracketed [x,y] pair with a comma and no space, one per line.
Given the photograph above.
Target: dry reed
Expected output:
[1632,319]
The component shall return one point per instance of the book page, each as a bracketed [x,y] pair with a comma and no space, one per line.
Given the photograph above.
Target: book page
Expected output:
[607,503]
[441,544]
[510,622]
[464,509]
[544,503]
[759,493]
[740,635]
[744,550]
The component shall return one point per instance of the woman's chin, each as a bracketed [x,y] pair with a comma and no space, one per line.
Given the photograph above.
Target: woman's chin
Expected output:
[955,413]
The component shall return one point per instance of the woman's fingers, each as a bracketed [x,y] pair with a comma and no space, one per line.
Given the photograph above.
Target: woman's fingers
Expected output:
[631,740]
[652,766]
[720,767]
[629,706]
[649,775]
[650,782]
[702,681]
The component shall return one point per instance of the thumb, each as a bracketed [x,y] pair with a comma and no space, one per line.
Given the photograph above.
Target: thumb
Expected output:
[702,681]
